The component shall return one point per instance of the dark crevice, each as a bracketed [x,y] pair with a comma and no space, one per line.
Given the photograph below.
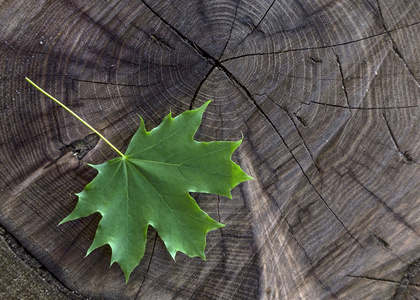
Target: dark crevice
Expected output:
[318,47]
[399,218]
[283,216]
[311,263]
[255,27]
[410,273]
[80,148]
[361,108]
[385,244]
[394,44]
[148,267]
[381,280]
[242,88]
[116,84]
[298,163]
[57,126]
[291,118]
[161,42]
[192,44]
[74,240]
[403,155]
[113,36]
[197,90]
[343,82]
[381,241]
[230,32]
[263,17]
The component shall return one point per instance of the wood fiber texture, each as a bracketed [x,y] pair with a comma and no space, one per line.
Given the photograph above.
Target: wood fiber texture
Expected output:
[325,93]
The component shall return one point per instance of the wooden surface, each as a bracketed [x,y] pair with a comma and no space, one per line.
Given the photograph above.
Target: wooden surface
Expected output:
[325,94]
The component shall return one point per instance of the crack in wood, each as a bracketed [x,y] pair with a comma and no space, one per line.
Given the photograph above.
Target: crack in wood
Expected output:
[289,115]
[80,148]
[319,47]
[115,84]
[395,48]
[74,240]
[397,217]
[197,90]
[311,263]
[313,187]
[243,88]
[412,272]
[113,36]
[230,31]
[57,124]
[256,27]
[380,280]
[148,267]
[161,41]
[192,44]
[343,82]
[381,241]
[263,17]
[361,108]
[283,216]
[302,170]
[403,154]
[315,60]
[385,244]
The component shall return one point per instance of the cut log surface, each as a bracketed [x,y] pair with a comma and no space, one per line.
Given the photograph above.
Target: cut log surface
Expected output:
[325,94]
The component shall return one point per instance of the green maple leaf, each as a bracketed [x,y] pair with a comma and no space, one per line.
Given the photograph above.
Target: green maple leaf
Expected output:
[151,184]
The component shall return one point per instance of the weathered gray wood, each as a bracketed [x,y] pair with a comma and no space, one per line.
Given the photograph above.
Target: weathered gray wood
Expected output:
[325,93]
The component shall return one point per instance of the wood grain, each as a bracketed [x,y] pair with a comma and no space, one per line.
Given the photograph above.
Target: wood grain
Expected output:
[325,94]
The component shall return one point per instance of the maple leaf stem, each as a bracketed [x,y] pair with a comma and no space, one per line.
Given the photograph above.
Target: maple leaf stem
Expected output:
[76,116]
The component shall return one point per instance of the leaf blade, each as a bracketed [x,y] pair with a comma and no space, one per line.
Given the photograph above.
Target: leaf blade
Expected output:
[151,185]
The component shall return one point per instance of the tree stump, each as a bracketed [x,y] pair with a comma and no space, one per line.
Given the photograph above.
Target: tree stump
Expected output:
[325,94]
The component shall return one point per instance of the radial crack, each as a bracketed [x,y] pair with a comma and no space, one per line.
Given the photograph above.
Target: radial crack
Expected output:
[399,218]
[302,248]
[361,108]
[249,95]
[297,130]
[403,155]
[385,244]
[395,45]
[197,90]
[304,173]
[147,270]
[307,257]
[116,84]
[255,27]
[319,47]
[343,82]
[230,32]
[381,280]
[192,44]
[113,36]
